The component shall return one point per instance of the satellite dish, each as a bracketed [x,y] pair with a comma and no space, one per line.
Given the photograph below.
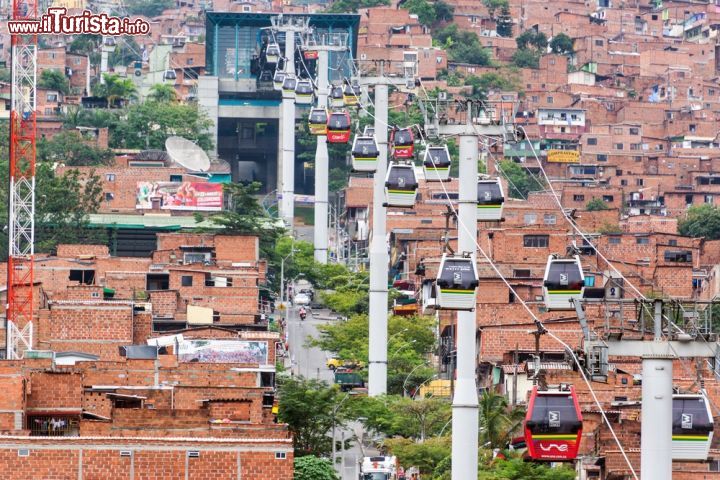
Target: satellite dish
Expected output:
[187,154]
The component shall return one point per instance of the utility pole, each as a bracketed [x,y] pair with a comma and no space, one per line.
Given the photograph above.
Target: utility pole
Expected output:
[291,26]
[379,257]
[324,45]
[465,416]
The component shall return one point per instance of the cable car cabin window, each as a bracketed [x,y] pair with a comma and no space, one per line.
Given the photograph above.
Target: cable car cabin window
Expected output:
[402,178]
[457,274]
[681,256]
[403,137]
[564,276]
[339,121]
[690,415]
[489,193]
[365,146]
[554,414]
[536,241]
[437,157]
[318,117]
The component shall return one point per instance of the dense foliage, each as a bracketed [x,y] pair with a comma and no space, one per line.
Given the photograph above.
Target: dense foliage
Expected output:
[313,468]
[68,148]
[520,181]
[701,221]
[462,46]
[596,204]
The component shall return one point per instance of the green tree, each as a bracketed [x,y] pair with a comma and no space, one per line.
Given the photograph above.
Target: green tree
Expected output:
[493,5]
[162,92]
[117,90]
[5,75]
[76,116]
[352,6]
[462,46]
[596,204]
[85,44]
[410,340]
[394,415]
[532,38]
[246,215]
[520,181]
[526,58]
[498,423]
[313,468]
[561,44]
[148,8]
[126,51]
[68,147]
[149,124]
[425,456]
[423,9]
[54,80]
[444,11]
[504,23]
[701,221]
[307,406]
[518,469]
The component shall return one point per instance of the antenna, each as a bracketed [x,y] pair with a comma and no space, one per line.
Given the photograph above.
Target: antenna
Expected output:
[187,154]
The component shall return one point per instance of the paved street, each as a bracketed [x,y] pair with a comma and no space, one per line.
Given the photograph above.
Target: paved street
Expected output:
[311,362]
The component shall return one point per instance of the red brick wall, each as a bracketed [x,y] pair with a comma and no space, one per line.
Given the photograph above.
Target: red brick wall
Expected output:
[55,390]
[91,322]
[237,248]
[72,251]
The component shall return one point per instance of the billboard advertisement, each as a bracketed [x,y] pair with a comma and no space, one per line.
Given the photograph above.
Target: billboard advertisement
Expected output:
[563,156]
[223,351]
[179,196]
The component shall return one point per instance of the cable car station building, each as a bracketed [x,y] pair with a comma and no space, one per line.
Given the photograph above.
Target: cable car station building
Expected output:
[241,102]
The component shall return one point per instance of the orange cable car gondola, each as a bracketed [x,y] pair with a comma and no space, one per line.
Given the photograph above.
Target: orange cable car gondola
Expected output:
[338,127]
[553,425]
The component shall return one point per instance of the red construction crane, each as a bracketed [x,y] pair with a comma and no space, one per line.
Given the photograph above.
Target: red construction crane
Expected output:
[21,220]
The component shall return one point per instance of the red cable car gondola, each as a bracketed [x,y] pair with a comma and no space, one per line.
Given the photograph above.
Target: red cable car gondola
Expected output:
[338,127]
[553,425]
[403,143]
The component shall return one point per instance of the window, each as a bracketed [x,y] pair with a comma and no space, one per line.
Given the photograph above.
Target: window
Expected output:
[708,199]
[190,61]
[689,199]
[599,43]
[552,61]
[642,240]
[549,99]
[280,455]
[530,219]
[52,97]
[608,198]
[639,182]
[196,257]
[109,196]
[636,146]
[438,60]
[85,277]
[578,198]
[592,141]
[619,146]
[186,280]
[617,130]
[672,243]
[638,158]
[158,281]
[267,379]
[53,425]
[176,178]
[522,273]
[623,183]
[536,241]
[49,111]
[549,219]
[634,131]
[614,240]
[684,256]
[601,157]
[109,177]
[76,61]
[535,98]
[618,173]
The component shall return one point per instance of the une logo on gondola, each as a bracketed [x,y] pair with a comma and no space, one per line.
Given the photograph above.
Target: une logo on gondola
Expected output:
[554,418]
[687,421]
[559,447]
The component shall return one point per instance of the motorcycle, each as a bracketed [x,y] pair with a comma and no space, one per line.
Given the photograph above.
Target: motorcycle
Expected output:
[303,314]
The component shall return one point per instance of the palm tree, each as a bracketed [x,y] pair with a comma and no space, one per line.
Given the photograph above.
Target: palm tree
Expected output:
[163,93]
[498,422]
[116,90]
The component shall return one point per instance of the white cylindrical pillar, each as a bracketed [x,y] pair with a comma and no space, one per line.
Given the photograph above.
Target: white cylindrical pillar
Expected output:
[322,168]
[656,426]
[287,203]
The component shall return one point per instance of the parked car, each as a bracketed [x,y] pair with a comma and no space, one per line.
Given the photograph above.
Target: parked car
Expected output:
[301,299]
[335,363]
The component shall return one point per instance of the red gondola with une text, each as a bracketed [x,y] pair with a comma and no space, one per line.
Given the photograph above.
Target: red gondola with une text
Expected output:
[403,143]
[553,425]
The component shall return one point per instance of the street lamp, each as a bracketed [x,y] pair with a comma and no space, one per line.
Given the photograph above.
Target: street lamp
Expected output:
[411,372]
[406,344]
[334,413]
[423,383]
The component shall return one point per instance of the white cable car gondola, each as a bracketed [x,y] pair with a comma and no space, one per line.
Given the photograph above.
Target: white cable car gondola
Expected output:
[304,92]
[169,75]
[457,283]
[278,79]
[490,200]
[436,163]
[369,131]
[288,87]
[364,154]
[563,281]
[429,297]
[401,185]
[272,53]
[336,97]
[692,427]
